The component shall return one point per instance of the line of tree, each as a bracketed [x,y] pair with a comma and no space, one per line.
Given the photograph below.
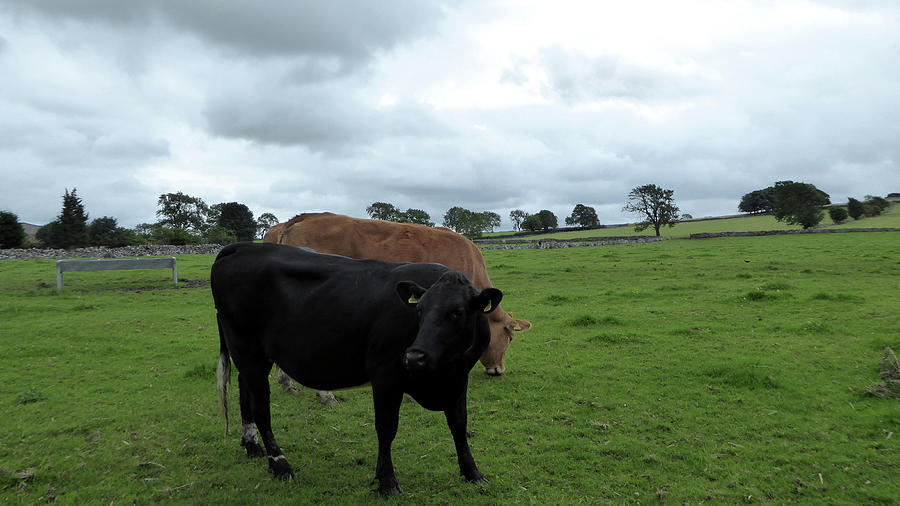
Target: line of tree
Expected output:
[183,219]
[471,224]
[792,202]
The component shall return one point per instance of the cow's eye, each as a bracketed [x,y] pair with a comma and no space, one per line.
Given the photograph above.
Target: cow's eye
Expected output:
[456,315]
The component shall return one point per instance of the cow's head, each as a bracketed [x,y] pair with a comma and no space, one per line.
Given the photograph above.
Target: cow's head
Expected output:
[453,328]
[503,329]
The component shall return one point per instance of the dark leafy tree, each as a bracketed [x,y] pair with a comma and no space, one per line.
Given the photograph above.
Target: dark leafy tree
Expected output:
[655,205]
[517,216]
[12,234]
[238,219]
[178,210]
[264,223]
[416,216]
[105,231]
[838,214]
[469,223]
[583,216]
[855,208]
[799,203]
[686,216]
[758,202]
[532,223]
[548,220]
[383,211]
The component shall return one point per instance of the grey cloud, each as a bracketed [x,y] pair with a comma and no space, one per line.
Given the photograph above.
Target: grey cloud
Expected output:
[350,30]
[327,119]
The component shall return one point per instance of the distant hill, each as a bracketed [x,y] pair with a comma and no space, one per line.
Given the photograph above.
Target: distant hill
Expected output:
[30,230]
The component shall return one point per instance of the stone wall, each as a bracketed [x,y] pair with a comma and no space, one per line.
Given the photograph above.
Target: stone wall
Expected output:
[127,251]
[710,235]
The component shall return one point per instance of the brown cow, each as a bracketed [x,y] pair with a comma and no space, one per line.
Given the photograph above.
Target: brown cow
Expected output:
[402,242]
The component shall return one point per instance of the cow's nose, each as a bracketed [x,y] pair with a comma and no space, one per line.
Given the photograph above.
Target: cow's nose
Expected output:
[414,360]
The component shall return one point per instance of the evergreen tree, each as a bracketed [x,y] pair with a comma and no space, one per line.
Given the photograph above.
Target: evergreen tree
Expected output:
[69,230]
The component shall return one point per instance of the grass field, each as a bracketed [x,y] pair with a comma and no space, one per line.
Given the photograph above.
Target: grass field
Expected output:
[714,371]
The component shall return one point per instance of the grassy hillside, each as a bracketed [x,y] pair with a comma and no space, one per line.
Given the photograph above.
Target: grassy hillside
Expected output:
[890,219]
[715,371]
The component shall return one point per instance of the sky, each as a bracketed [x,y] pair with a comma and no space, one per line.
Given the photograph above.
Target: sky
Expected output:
[490,105]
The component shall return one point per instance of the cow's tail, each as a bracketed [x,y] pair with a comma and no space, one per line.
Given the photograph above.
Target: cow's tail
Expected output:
[223,375]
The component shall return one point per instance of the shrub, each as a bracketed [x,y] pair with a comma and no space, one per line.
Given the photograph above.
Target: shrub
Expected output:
[173,236]
[838,214]
[12,235]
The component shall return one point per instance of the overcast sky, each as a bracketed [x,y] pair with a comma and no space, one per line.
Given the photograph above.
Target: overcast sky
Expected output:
[302,106]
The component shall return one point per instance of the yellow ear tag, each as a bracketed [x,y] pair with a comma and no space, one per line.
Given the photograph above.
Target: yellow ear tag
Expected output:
[488,307]
[413,299]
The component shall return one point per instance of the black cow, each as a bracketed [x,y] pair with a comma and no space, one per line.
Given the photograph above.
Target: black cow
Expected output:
[331,322]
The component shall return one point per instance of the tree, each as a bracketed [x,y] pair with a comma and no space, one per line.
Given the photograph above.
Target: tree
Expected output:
[69,230]
[758,202]
[837,214]
[583,216]
[469,223]
[12,234]
[220,235]
[105,231]
[532,223]
[873,206]
[178,210]
[264,223]
[548,219]
[492,220]
[517,216]
[855,208]
[799,203]
[655,205]
[238,219]
[416,216]
[383,211]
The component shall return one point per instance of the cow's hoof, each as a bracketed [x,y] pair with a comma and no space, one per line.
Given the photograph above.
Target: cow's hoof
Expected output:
[388,487]
[280,468]
[477,477]
[253,449]
[290,390]
[327,397]
[391,491]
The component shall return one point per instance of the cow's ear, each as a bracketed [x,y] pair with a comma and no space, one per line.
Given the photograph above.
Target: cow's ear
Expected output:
[409,292]
[488,300]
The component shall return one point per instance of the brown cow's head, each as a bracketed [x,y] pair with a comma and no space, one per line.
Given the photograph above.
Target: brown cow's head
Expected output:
[453,330]
[503,328]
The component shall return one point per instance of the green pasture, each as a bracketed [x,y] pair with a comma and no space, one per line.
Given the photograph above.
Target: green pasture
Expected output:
[712,371]
[746,223]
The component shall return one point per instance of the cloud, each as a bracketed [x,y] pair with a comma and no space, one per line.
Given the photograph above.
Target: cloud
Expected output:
[348,30]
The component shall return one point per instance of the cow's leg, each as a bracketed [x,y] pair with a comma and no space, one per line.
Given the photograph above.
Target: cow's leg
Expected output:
[248,427]
[257,382]
[387,416]
[457,420]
